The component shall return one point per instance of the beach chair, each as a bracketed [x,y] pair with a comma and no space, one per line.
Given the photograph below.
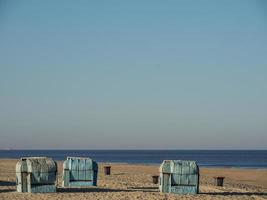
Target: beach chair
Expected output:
[36,175]
[179,177]
[78,172]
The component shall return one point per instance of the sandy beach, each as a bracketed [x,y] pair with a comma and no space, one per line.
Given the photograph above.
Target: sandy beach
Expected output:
[135,182]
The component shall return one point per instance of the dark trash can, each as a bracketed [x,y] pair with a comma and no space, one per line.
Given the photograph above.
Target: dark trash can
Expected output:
[107,170]
[155,179]
[219,181]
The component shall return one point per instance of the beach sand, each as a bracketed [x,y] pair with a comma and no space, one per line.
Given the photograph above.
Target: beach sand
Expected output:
[135,182]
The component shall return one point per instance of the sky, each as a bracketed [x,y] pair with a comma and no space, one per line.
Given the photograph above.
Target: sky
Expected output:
[143,74]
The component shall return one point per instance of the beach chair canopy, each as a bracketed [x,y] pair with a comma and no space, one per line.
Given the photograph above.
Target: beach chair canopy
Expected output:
[179,176]
[36,174]
[79,171]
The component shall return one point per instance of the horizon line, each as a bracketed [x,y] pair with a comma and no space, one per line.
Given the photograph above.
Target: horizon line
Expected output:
[73,149]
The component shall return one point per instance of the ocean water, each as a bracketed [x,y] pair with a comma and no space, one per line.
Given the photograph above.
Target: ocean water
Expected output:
[207,158]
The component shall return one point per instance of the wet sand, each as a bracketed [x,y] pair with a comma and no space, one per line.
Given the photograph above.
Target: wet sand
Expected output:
[135,182]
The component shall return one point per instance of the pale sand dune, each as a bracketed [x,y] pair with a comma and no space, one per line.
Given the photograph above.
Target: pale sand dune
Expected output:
[135,182]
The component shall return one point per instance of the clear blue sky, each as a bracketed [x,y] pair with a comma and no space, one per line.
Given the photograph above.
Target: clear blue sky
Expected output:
[133,74]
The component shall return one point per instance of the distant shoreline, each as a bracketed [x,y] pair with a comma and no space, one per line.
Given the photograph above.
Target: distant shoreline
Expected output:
[241,159]
[158,164]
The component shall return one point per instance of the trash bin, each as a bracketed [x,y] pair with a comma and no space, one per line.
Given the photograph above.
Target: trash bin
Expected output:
[155,179]
[219,181]
[107,170]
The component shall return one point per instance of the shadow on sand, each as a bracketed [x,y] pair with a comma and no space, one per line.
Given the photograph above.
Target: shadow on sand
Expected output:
[7,183]
[144,189]
[130,189]
[7,190]
[117,174]
[81,190]
[235,193]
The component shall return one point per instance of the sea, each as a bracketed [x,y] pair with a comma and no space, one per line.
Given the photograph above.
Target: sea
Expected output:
[204,158]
